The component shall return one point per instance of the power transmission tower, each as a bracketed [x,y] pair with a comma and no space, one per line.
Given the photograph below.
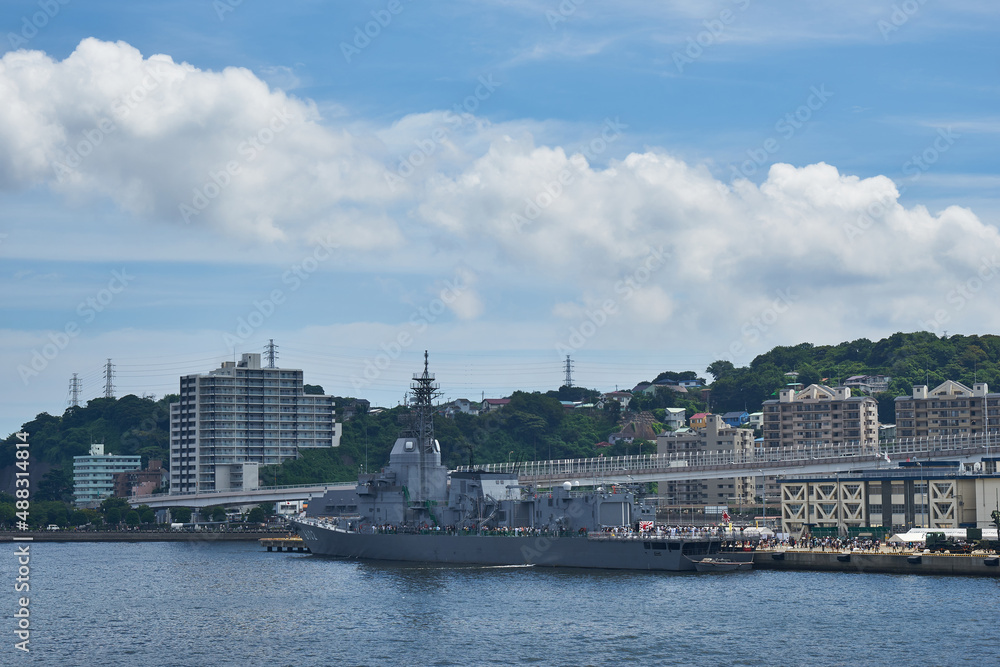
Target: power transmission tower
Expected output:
[569,372]
[109,380]
[270,352]
[74,391]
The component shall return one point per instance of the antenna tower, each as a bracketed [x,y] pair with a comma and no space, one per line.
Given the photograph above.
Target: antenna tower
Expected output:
[569,372]
[74,391]
[270,352]
[109,380]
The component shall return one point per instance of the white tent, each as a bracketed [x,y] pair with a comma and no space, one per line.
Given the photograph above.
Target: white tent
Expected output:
[919,535]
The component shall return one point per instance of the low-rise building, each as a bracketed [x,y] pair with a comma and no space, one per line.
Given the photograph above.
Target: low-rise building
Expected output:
[870,384]
[716,436]
[491,404]
[698,420]
[673,418]
[139,482]
[94,475]
[622,397]
[896,499]
[736,418]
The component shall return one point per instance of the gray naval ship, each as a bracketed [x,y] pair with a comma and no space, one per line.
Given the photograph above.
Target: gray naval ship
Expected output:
[414,510]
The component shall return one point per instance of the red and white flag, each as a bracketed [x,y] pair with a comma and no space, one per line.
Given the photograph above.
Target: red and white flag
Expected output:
[725,516]
[645,525]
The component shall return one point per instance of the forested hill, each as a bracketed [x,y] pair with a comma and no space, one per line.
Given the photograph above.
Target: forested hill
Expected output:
[127,425]
[532,426]
[909,359]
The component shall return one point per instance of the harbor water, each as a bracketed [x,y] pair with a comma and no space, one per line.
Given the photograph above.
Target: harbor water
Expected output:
[210,603]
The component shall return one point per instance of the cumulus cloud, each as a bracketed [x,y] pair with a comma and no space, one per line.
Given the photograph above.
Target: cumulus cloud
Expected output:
[170,142]
[835,252]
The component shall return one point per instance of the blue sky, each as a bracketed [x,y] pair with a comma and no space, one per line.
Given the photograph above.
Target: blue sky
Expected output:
[644,186]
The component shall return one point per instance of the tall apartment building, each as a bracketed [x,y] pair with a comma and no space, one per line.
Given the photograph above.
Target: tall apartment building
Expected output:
[94,475]
[819,415]
[950,409]
[241,416]
[716,436]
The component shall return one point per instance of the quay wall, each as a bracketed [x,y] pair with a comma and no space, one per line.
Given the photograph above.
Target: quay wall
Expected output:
[882,563]
[138,536]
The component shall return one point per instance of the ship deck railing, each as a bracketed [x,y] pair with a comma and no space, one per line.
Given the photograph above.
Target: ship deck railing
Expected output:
[689,535]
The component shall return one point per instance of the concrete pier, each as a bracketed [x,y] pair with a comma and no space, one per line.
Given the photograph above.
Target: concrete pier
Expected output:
[978,565]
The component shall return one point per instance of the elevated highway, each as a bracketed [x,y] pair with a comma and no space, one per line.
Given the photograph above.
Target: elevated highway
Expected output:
[269,494]
[811,460]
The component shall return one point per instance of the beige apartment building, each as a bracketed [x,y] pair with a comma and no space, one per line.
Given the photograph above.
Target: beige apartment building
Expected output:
[716,436]
[950,409]
[820,415]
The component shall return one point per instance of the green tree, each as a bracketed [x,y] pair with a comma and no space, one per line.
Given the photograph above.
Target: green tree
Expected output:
[113,516]
[257,515]
[148,516]
[7,514]
[181,514]
[132,519]
[217,513]
[56,484]
[720,368]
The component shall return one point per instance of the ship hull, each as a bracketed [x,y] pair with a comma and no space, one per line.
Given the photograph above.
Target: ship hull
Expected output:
[667,554]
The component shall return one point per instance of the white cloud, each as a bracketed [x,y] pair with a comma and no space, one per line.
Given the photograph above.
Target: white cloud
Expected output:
[167,141]
[523,215]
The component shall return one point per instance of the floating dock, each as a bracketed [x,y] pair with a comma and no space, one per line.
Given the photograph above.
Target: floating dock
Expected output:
[977,565]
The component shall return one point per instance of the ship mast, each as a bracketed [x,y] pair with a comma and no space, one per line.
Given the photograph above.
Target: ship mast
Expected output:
[424,391]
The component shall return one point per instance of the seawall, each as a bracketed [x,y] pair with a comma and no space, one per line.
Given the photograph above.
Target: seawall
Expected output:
[884,563]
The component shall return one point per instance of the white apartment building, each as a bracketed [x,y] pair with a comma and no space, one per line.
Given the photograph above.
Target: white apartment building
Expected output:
[239,417]
[94,475]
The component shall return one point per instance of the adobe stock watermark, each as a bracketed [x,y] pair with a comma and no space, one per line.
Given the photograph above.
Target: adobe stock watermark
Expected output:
[962,294]
[562,12]
[754,328]
[295,276]
[913,169]
[899,16]
[121,108]
[714,29]
[428,146]
[419,321]
[223,7]
[31,25]
[87,310]
[369,31]
[22,554]
[785,128]
[552,190]
[247,150]
[625,288]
